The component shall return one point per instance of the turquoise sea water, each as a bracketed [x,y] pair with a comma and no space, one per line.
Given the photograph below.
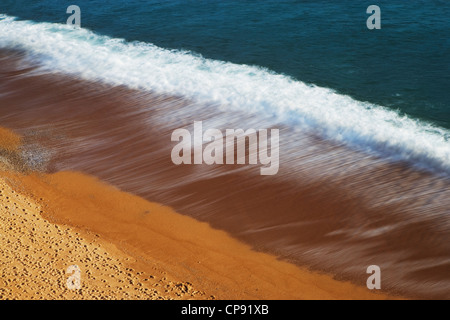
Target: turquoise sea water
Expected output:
[404,66]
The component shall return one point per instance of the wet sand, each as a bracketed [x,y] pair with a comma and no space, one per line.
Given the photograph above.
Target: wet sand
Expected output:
[129,248]
[330,208]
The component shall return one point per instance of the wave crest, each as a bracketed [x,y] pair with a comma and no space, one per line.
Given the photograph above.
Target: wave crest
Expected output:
[144,66]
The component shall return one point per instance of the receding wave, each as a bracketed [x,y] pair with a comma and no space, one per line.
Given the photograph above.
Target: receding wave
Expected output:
[368,127]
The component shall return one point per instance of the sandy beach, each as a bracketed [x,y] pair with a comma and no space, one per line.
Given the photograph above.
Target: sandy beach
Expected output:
[129,248]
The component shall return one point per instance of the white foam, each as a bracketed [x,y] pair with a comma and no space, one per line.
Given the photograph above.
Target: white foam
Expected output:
[85,54]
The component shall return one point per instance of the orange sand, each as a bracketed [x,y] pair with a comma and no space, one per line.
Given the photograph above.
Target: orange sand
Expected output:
[128,247]
[35,255]
[9,141]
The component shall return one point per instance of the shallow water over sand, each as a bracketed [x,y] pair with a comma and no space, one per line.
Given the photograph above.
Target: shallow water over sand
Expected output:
[329,207]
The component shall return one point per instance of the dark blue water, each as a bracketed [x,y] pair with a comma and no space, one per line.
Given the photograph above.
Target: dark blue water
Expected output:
[404,66]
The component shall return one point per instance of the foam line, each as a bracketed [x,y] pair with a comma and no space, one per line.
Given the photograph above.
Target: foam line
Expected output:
[373,128]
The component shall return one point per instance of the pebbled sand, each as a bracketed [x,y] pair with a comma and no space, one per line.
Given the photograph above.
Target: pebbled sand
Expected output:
[129,248]
[35,255]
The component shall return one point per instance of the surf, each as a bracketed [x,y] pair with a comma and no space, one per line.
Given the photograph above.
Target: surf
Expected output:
[364,126]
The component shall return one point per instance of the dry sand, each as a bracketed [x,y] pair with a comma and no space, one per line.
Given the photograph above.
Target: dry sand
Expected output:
[129,248]
[35,255]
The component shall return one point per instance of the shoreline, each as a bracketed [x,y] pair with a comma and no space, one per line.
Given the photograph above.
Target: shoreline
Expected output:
[211,263]
[52,221]
[330,208]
